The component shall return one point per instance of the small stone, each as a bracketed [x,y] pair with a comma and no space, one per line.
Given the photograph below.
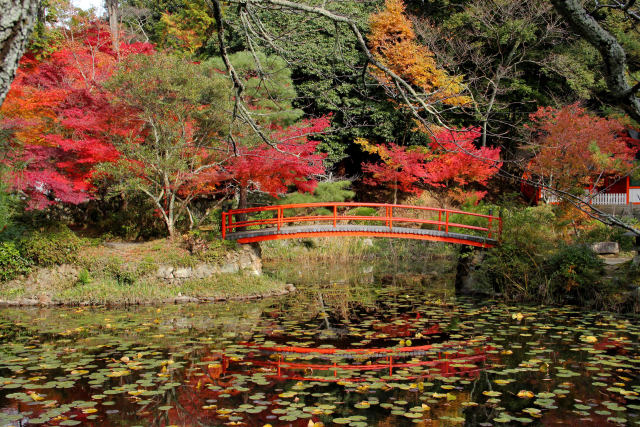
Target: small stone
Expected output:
[606,248]
[229,268]
[182,273]
[165,272]
[202,271]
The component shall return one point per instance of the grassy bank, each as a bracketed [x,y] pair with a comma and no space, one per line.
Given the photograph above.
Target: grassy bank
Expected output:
[58,267]
[107,291]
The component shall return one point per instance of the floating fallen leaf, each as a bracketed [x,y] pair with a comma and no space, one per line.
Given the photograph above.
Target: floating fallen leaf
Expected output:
[533,411]
[525,394]
[36,397]
[491,393]
[121,373]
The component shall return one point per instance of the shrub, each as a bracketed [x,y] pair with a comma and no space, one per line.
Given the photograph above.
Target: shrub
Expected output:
[515,268]
[364,211]
[116,268]
[574,275]
[336,191]
[52,247]
[533,263]
[215,250]
[12,263]
[84,278]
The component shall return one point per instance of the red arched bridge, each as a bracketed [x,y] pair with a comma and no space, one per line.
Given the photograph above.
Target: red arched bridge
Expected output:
[361,219]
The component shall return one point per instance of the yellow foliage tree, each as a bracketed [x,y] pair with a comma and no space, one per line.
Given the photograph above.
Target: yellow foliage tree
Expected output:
[393,42]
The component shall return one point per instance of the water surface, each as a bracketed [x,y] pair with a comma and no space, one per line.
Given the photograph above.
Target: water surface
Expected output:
[357,345]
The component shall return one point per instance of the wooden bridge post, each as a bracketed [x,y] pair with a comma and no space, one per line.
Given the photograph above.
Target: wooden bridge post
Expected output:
[490,218]
[335,216]
[224,225]
[280,214]
[446,224]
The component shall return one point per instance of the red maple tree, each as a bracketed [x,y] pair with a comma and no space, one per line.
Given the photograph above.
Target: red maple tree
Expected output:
[451,162]
[67,115]
[293,162]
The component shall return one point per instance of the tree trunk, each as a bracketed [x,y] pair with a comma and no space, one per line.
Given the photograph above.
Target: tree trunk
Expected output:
[242,204]
[17,18]
[114,21]
[613,54]
[242,199]
[171,228]
[485,119]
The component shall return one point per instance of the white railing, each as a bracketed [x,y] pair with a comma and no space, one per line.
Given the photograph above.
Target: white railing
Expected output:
[599,199]
[610,199]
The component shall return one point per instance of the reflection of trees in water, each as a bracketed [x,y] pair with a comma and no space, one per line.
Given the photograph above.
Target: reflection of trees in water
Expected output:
[214,381]
[131,325]
[340,287]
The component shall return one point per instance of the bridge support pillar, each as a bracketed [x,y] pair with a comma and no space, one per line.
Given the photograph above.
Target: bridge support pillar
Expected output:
[469,260]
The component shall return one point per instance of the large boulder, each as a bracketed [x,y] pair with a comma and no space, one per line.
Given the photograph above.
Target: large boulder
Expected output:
[606,248]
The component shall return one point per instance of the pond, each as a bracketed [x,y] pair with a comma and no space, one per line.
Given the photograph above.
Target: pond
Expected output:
[357,345]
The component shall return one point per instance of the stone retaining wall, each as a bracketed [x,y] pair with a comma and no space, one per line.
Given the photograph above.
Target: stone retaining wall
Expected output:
[245,259]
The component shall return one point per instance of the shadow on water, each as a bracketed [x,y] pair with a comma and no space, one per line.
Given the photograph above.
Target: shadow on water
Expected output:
[360,344]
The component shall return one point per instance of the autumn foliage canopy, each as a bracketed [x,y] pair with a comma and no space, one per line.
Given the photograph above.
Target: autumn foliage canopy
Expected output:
[572,147]
[393,43]
[63,119]
[81,108]
[451,163]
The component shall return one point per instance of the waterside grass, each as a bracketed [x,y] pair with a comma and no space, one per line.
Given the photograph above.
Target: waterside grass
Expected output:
[122,273]
[107,291]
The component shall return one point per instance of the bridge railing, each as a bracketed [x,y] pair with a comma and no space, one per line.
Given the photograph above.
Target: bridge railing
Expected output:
[447,219]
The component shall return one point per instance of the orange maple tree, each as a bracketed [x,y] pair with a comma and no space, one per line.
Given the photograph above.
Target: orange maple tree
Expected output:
[393,43]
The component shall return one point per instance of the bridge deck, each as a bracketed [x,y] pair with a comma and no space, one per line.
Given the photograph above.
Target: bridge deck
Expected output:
[358,230]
